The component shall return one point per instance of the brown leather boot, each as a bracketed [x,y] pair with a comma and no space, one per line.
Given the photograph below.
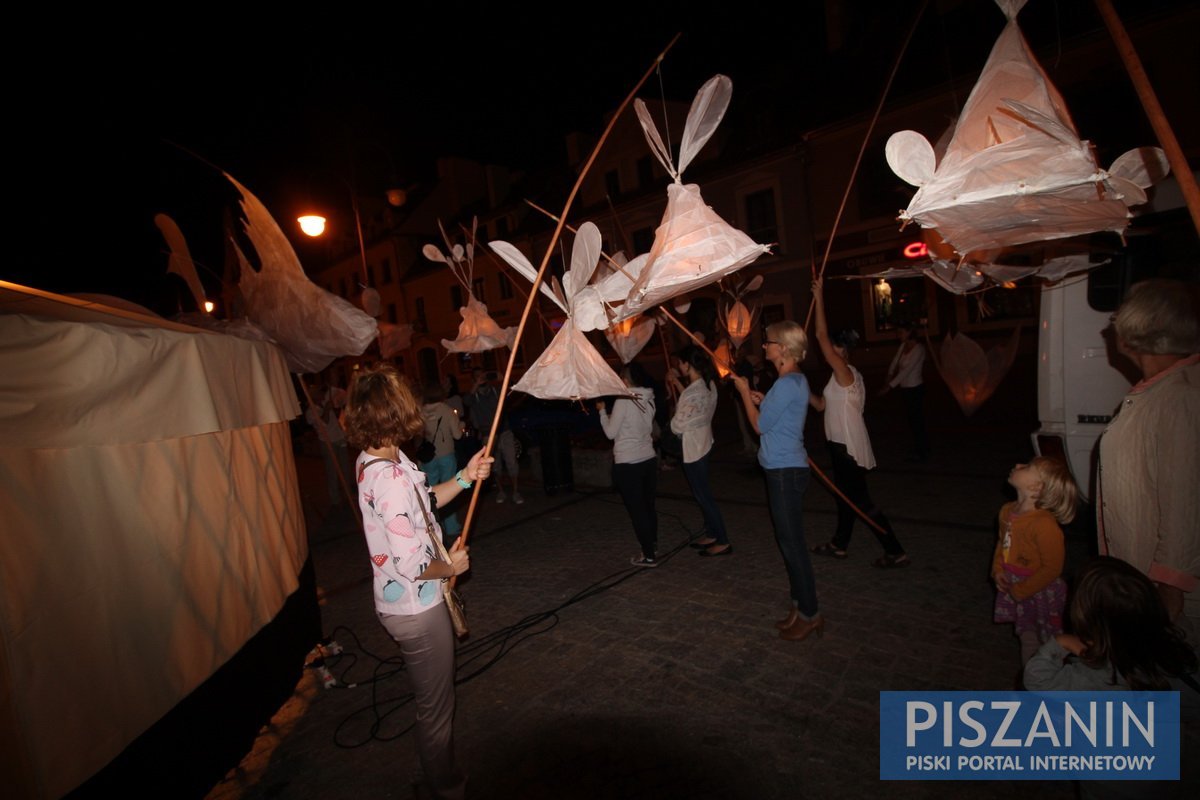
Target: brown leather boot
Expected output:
[789,620]
[801,628]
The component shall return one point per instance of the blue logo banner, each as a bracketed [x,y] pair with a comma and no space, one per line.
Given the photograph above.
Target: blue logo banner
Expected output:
[1118,735]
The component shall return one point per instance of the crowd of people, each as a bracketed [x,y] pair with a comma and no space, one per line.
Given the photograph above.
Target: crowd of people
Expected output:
[1131,619]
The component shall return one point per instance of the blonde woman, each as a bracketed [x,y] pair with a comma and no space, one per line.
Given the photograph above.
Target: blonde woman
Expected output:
[779,418]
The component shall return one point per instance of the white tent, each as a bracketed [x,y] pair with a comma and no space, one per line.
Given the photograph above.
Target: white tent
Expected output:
[152,523]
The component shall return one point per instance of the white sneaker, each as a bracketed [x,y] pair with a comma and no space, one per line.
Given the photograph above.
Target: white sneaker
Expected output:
[518,499]
[499,497]
[642,561]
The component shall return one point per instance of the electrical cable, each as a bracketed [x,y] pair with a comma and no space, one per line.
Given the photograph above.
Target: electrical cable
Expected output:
[489,650]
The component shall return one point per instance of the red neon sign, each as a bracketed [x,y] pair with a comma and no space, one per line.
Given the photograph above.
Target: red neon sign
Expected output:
[916,250]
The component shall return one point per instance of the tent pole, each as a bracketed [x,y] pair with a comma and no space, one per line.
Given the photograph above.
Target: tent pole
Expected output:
[1158,120]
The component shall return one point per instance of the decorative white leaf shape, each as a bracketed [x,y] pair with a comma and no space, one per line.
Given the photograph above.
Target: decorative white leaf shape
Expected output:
[585,253]
[704,116]
[656,143]
[911,157]
[516,259]
[1144,166]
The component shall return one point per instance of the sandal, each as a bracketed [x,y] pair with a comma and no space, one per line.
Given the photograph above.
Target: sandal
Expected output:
[829,549]
[891,562]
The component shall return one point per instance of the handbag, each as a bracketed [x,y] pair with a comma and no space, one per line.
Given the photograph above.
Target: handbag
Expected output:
[427,450]
[454,601]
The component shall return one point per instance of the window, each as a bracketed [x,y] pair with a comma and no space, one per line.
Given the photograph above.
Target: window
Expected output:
[419,323]
[761,223]
[612,183]
[477,289]
[456,297]
[385,271]
[506,287]
[897,301]
[645,170]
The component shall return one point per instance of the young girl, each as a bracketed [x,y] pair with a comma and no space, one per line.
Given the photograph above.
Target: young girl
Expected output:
[1123,639]
[1029,556]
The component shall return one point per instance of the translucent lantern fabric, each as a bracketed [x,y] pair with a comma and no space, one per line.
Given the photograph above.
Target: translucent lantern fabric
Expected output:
[478,332]
[971,374]
[630,336]
[570,368]
[312,326]
[1015,169]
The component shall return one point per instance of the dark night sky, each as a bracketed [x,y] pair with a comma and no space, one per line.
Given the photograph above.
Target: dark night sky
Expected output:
[284,105]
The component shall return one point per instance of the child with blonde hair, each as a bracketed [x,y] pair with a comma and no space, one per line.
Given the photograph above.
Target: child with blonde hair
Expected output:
[1027,565]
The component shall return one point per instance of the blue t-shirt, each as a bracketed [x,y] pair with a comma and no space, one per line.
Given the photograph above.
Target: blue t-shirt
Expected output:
[781,421]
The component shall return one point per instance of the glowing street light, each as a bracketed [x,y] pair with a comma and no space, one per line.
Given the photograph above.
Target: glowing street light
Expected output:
[312,224]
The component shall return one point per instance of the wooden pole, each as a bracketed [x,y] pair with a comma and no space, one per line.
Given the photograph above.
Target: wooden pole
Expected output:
[1158,120]
[537,281]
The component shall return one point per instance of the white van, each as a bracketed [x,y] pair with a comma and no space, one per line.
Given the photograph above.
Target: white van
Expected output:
[1081,376]
[1079,383]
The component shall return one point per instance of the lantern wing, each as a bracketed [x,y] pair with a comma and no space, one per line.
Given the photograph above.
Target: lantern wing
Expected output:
[516,259]
[311,325]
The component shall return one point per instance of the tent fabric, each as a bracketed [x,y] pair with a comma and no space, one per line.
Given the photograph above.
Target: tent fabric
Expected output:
[99,384]
[153,525]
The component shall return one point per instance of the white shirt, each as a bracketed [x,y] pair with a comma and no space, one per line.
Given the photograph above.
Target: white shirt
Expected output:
[844,418]
[906,368]
[693,419]
[630,426]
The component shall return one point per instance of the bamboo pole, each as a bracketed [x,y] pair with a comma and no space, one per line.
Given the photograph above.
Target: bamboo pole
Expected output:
[537,281]
[1158,120]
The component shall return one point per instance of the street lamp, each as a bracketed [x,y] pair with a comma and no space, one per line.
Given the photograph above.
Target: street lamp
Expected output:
[314,225]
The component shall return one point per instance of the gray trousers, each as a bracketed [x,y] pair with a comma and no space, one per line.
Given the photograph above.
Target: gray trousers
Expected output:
[427,644]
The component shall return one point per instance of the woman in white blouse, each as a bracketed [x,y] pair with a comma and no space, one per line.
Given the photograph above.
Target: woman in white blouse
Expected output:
[635,464]
[848,443]
[693,422]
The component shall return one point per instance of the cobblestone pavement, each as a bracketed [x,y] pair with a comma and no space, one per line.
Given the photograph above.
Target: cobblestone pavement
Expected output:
[586,678]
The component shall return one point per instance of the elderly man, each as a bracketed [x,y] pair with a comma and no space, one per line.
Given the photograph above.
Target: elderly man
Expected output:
[1149,507]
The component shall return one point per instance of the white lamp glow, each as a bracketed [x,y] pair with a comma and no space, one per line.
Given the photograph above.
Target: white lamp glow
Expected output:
[312,224]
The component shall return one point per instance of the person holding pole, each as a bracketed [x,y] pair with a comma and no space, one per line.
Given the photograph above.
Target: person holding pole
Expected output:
[693,422]
[779,418]
[849,444]
[397,512]
[635,464]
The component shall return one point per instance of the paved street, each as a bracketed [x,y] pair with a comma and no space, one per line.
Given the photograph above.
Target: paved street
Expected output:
[586,678]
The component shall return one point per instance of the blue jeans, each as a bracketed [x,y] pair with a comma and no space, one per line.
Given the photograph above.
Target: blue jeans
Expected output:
[697,477]
[440,470]
[785,496]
